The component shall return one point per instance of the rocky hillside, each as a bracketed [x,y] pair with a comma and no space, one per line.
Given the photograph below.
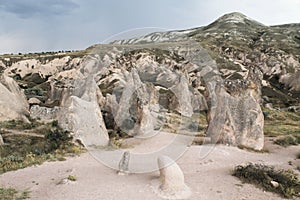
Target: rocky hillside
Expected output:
[163,81]
[236,42]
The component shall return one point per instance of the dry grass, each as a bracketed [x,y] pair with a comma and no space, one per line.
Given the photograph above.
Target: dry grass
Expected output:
[288,140]
[281,123]
[25,150]
[13,194]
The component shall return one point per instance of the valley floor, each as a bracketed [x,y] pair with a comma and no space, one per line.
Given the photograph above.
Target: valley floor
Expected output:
[209,178]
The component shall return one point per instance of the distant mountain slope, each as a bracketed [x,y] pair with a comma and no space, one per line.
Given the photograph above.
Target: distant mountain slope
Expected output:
[237,42]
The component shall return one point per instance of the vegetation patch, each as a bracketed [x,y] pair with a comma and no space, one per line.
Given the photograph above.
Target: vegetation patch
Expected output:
[19,125]
[72,178]
[288,140]
[25,150]
[278,123]
[13,194]
[283,182]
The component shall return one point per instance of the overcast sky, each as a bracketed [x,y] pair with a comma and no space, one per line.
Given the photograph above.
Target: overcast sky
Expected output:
[51,25]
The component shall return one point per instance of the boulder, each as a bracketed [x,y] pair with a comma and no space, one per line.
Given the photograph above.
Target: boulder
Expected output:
[135,111]
[124,163]
[80,113]
[198,101]
[172,184]
[183,96]
[84,119]
[292,81]
[44,113]
[274,184]
[34,101]
[1,140]
[235,116]
[13,103]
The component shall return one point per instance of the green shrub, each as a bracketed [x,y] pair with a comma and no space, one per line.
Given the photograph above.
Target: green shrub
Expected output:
[57,138]
[72,178]
[8,194]
[24,150]
[18,162]
[13,194]
[54,123]
[261,175]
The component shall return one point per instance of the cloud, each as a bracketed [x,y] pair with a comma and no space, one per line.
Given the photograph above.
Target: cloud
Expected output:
[41,8]
[45,25]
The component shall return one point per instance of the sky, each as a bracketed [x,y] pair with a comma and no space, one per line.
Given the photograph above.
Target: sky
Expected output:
[53,25]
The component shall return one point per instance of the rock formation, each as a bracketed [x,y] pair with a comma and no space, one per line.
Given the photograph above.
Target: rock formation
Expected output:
[235,116]
[124,164]
[13,103]
[81,114]
[1,140]
[137,86]
[172,180]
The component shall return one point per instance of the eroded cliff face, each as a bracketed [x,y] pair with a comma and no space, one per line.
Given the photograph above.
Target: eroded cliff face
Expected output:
[136,87]
[237,43]
[13,103]
[235,116]
[136,90]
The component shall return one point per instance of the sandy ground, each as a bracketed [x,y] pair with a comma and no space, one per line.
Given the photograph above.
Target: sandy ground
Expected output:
[208,177]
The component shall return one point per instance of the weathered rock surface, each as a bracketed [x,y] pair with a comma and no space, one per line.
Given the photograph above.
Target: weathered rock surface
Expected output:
[147,82]
[34,101]
[124,164]
[235,116]
[1,141]
[141,84]
[44,113]
[13,103]
[172,180]
[81,114]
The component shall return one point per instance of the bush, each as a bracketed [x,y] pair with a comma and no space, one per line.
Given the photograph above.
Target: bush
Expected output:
[12,194]
[54,123]
[287,140]
[261,175]
[8,194]
[57,138]
[72,178]
[24,150]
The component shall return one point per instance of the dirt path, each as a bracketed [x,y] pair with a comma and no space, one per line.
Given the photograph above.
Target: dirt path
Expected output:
[16,132]
[208,177]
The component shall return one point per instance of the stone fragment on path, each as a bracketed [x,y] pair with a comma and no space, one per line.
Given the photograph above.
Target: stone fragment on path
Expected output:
[124,164]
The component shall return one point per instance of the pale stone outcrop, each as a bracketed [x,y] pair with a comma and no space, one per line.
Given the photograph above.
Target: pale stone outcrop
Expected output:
[34,101]
[13,103]
[172,184]
[134,90]
[84,119]
[1,141]
[44,113]
[235,117]
[81,114]
[124,164]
